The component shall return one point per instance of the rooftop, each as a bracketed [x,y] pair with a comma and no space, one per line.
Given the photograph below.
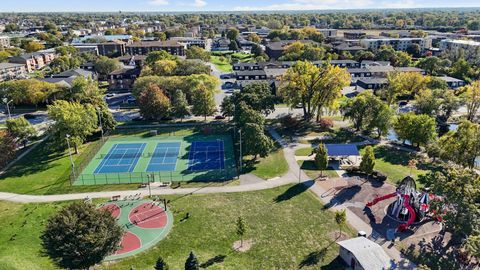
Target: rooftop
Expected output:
[369,254]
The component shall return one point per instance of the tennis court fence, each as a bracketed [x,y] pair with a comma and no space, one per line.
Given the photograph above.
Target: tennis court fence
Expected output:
[145,177]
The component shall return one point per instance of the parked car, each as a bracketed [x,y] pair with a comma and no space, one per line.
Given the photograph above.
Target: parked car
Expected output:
[29,116]
[219,117]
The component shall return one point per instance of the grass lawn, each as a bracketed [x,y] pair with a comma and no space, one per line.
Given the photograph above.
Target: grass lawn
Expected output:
[44,171]
[393,163]
[304,151]
[308,166]
[224,66]
[269,167]
[288,225]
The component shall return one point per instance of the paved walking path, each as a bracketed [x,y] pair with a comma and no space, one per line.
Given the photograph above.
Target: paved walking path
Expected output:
[294,175]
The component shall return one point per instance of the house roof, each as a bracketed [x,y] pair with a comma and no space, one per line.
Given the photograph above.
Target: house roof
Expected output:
[67,82]
[339,150]
[74,73]
[368,254]
[166,43]
[10,65]
[449,79]
[280,45]
[126,71]
[250,73]
[373,80]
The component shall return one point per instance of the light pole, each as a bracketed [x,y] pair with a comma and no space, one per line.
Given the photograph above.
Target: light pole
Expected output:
[100,120]
[70,154]
[5,100]
[241,156]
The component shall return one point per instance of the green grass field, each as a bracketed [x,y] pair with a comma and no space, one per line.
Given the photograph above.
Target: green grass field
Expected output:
[268,167]
[288,225]
[308,166]
[139,173]
[224,65]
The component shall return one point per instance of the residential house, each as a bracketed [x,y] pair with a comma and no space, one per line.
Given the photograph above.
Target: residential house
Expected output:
[144,48]
[10,71]
[220,45]
[123,79]
[453,83]
[133,60]
[34,61]
[399,44]
[275,50]
[189,42]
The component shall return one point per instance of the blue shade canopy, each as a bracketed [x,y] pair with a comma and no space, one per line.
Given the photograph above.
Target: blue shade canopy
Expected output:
[336,150]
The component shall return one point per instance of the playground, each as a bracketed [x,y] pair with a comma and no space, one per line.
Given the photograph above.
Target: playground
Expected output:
[160,158]
[145,222]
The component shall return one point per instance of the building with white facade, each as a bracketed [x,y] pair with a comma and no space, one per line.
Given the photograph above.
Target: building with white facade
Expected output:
[399,44]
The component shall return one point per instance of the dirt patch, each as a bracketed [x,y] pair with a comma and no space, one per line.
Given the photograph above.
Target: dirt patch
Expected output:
[238,246]
[337,236]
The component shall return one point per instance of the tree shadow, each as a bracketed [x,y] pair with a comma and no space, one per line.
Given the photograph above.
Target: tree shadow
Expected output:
[294,191]
[313,258]
[212,261]
[335,264]
[345,194]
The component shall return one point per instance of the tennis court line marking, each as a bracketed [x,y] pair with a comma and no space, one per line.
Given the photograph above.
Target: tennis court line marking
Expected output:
[135,160]
[104,161]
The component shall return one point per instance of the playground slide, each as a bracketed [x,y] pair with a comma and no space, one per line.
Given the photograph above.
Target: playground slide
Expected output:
[411,219]
[379,199]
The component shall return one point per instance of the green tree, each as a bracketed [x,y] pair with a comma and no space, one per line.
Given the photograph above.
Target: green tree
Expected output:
[155,56]
[340,219]
[228,106]
[244,114]
[161,264]
[154,104]
[232,34]
[433,65]
[402,59]
[73,119]
[368,161]
[192,262]
[314,87]
[20,129]
[105,65]
[428,102]
[203,102]
[461,69]
[241,229]
[257,95]
[7,147]
[255,141]
[196,52]
[80,236]
[233,46]
[386,53]
[321,158]
[472,98]
[33,46]
[463,145]
[418,129]
[180,107]
[253,37]
[409,83]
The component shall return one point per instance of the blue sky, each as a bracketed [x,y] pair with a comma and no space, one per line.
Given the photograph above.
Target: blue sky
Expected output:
[220,5]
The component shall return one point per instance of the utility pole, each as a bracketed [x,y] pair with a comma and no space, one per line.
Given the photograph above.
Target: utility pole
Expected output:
[5,100]
[241,156]
[100,119]
[70,154]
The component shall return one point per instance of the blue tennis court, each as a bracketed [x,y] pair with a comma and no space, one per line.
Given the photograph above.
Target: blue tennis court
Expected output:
[121,158]
[165,157]
[206,155]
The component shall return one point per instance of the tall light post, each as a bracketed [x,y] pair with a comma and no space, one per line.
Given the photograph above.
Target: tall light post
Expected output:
[5,100]
[100,120]
[70,154]
[241,156]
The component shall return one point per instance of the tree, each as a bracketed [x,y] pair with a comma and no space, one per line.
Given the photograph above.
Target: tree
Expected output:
[472,97]
[364,55]
[340,219]
[302,51]
[414,50]
[232,34]
[30,91]
[418,129]
[402,59]
[255,142]
[314,87]
[257,95]
[321,158]
[386,53]
[7,147]
[33,46]
[161,68]
[433,65]
[73,119]
[161,264]
[253,37]
[192,262]
[449,103]
[180,107]
[233,46]
[241,229]
[228,106]
[203,102]
[105,65]
[257,50]
[196,52]
[154,104]
[80,236]
[20,129]
[408,83]
[461,69]
[155,56]
[463,145]
[368,161]
[428,102]
[243,114]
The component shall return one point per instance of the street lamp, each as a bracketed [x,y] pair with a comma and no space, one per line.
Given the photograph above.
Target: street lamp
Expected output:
[5,100]
[70,154]
[100,119]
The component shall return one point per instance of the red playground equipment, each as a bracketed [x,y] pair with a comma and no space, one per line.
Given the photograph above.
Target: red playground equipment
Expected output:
[410,206]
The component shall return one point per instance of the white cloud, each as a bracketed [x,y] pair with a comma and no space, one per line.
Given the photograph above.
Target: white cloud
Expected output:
[159,2]
[199,3]
[330,4]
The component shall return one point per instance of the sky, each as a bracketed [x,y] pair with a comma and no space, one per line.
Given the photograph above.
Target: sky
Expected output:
[220,5]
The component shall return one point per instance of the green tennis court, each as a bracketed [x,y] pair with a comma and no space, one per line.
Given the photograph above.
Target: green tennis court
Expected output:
[140,159]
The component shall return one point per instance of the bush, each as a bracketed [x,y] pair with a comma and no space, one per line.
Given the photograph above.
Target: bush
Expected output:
[325,123]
